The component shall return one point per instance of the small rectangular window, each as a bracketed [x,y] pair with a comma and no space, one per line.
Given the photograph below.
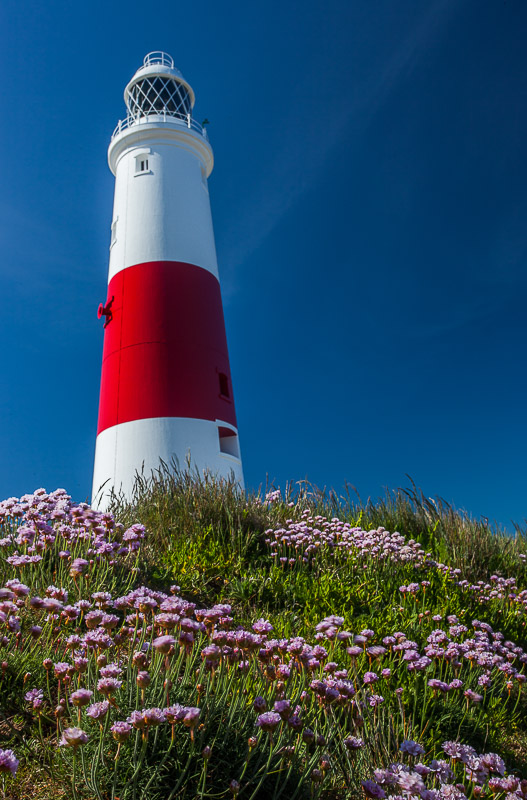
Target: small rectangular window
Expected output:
[142,163]
[228,441]
[224,385]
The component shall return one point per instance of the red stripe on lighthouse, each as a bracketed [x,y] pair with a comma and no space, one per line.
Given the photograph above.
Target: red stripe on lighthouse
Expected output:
[165,349]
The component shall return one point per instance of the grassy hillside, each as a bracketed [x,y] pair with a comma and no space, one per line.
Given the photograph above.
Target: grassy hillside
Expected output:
[199,643]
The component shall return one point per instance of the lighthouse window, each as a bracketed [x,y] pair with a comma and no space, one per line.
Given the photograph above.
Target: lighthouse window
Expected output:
[228,440]
[224,385]
[142,163]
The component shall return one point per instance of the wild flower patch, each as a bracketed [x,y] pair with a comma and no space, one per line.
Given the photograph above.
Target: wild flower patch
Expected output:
[313,540]
[136,692]
[465,773]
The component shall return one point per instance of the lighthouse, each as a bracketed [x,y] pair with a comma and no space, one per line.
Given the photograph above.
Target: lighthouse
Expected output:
[166,390]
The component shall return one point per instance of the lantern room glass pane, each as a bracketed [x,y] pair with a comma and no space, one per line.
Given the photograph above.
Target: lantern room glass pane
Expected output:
[159,96]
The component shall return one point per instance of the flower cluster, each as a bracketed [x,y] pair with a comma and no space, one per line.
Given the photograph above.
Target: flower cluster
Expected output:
[317,537]
[501,590]
[274,496]
[464,774]
[79,537]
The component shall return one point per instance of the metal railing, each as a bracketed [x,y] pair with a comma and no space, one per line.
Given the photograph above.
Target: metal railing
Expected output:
[158,57]
[162,116]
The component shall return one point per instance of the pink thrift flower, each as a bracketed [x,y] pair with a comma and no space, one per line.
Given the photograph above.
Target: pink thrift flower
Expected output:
[8,762]
[73,737]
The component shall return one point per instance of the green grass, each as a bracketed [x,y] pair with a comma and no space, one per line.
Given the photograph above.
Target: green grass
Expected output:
[210,539]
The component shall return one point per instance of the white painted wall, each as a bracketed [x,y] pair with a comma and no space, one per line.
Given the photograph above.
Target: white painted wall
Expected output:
[162,214]
[123,449]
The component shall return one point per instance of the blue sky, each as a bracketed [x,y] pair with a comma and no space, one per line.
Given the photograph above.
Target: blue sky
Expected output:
[369,201]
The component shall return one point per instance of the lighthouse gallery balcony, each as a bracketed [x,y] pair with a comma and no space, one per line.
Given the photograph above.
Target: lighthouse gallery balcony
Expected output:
[164,116]
[159,93]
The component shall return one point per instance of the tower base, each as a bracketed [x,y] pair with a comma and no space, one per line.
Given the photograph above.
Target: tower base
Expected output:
[139,446]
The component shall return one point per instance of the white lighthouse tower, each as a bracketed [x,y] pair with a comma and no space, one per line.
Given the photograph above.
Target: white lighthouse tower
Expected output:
[166,388]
